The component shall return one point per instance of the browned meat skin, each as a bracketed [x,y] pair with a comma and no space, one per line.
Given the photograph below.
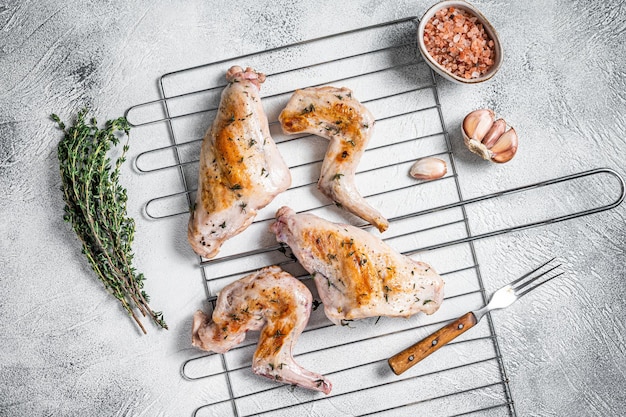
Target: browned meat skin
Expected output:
[334,114]
[241,170]
[269,300]
[356,274]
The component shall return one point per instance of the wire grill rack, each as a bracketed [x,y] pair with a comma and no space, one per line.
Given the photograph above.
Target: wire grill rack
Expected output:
[381,65]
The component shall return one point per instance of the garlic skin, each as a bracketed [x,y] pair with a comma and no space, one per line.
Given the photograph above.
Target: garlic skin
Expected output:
[429,168]
[488,137]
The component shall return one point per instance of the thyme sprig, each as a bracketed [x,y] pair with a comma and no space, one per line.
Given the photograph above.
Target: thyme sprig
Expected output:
[95,205]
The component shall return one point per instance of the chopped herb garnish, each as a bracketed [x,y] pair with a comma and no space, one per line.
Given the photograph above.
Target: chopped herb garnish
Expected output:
[349,242]
[309,109]
[387,290]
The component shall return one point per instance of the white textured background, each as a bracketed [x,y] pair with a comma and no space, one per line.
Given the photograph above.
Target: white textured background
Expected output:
[66,350]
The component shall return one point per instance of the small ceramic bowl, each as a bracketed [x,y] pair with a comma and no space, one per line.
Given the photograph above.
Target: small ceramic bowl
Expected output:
[463,5]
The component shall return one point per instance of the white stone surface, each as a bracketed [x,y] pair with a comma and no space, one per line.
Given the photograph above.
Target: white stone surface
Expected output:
[66,348]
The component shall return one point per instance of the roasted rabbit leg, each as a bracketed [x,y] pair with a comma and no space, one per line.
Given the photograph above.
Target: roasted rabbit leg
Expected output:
[269,300]
[357,275]
[334,114]
[241,170]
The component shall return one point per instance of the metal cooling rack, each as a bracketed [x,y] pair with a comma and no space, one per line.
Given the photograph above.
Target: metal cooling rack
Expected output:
[381,65]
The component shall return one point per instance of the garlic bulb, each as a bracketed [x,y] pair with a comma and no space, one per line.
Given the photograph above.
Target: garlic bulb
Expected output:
[488,137]
[428,168]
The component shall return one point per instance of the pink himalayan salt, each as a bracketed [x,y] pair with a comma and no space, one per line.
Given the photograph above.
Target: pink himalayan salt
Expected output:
[455,39]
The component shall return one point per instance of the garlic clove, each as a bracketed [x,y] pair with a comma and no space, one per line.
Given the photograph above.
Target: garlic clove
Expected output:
[497,129]
[504,157]
[428,168]
[477,124]
[505,148]
[487,137]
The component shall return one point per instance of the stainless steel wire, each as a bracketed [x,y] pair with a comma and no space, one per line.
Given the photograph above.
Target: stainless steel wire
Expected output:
[228,372]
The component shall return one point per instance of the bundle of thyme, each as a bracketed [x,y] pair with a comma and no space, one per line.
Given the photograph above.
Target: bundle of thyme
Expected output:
[95,205]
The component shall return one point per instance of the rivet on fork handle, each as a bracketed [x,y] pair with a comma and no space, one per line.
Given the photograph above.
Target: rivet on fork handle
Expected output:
[412,355]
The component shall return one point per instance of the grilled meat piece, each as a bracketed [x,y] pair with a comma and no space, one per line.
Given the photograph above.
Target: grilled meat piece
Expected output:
[274,302]
[357,275]
[241,170]
[334,114]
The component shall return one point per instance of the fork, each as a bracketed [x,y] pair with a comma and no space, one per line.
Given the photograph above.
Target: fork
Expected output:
[502,298]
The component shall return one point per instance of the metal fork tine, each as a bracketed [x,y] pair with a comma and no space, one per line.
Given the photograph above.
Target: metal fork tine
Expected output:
[533,279]
[541,283]
[512,284]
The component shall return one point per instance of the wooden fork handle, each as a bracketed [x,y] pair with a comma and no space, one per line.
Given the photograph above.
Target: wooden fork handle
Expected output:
[412,355]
